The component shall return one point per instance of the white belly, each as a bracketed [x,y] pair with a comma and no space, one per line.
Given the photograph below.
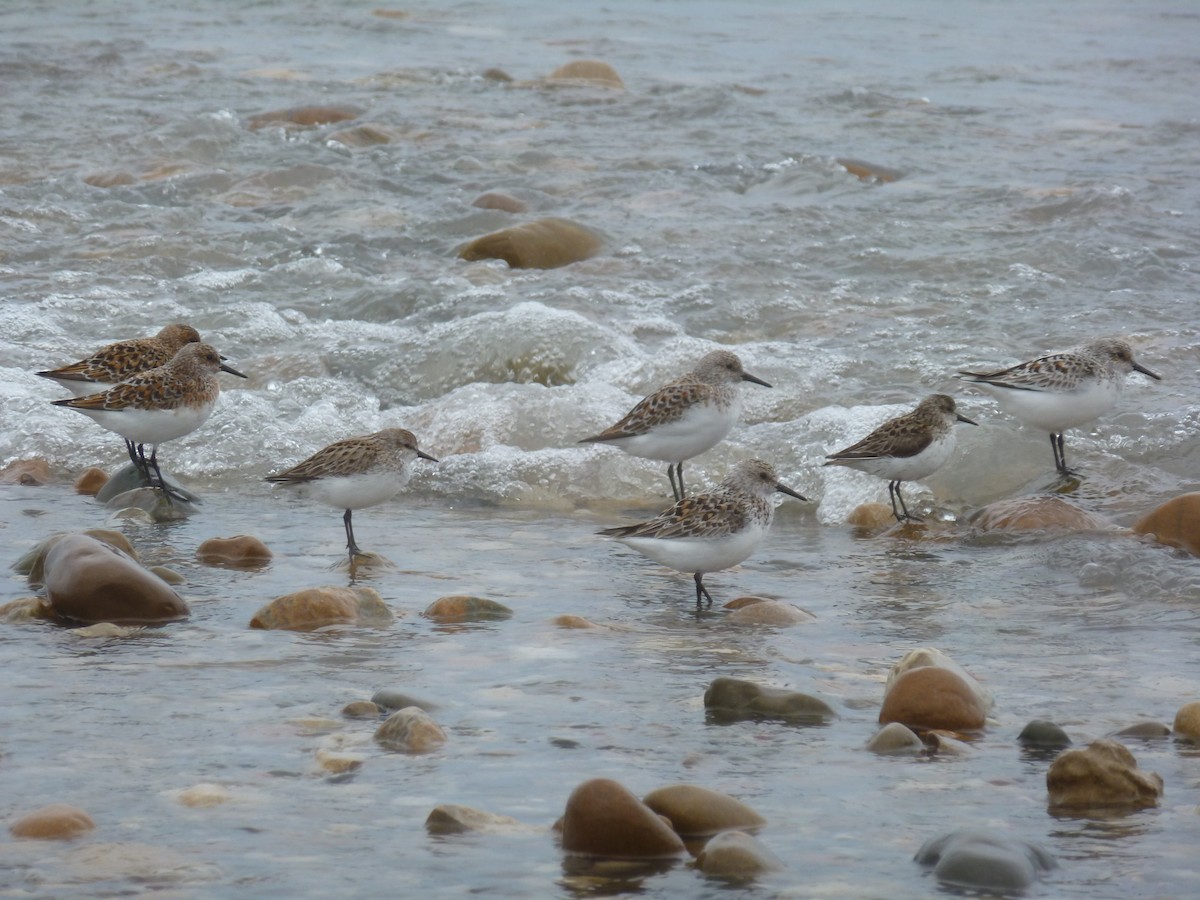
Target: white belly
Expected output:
[699,429]
[1055,411]
[909,468]
[151,426]
[694,555]
[355,491]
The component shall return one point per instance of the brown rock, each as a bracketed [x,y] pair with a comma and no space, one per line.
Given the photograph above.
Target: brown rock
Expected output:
[89,581]
[695,811]
[451,818]
[27,609]
[1037,514]
[569,621]
[1175,523]
[365,135]
[33,563]
[735,854]
[303,116]
[90,481]
[588,72]
[57,821]
[1103,774]
[734,698]
[458,608]
[109,179]
[866,171]
[238,552]
[931,656]
[34,471]
[314,608]
[871,516]
[603,818]
[497,200]
[932,697]
[761,611]
[411,730]
[541,244]
[895,739]
[1187,721]
[361,709]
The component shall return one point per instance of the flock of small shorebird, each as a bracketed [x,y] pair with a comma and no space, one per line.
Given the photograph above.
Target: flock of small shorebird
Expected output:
[153,390]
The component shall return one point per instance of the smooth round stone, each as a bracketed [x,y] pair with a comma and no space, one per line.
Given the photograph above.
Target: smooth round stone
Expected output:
[895,739]
[1175,523]
[603,818]
[871,516]
[410,730]
[761,611]
[931,656]
[932,697]
[365,135]
[1102,775]
[696,811]
[451,818]
[390,699]
[943,744]
[1042,735]
[735,854]
[32,564]
[26,609]
[204,796]
[90,581]
[733,698]
[314,608]
[90,481]
[170,576]
[1041,513]
[239,552]
[574,622]
[1187,721]
[34,471]
[587,71]
[985,860]
[303,116]
[866,171]
[57,821]
[339,763]
[460,608]
[106,630]
[1145,730]
[362,709]
[541,244]
[128,480]
[109,180]
[501,201]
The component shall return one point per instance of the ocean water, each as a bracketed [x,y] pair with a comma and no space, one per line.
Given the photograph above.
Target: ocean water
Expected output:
[1046,194]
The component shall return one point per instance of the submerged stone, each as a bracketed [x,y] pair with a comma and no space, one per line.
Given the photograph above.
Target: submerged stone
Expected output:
[733,698]
[411,730]
[314,608]
[895,739]
[462,608]
[1102,775]
[542,244]
[735,854]
[697,811]
[985,860]
[58,821]
[1042,735]
[1187,721]
[932,697]
[1175,523]
[603,818]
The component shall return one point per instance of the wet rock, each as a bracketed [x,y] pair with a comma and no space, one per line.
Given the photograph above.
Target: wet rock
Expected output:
[894,739]
[932,697]
[695,811]
[90,481]
[541,244]
[1175,523]
[90,581]
[1147,730]
[460,608]
[34,471]
[1043,513]
[871,516]
[985,860]
[366,135]
[411,730]
[498,200]
[389,699]
[125,488]
[603,818]
[494,74]
[735,854]
[203,796]
[27,609]
[109,179]
[303,116]
[242,551]
[170,576]
[1187,721]
[133,863]
[1042,735]
[339,763]
[107,631]
[761,611]
[451,818]
[1102,775]
[33,563]
[942,743]
[363,709]
[591,72]
[568,621]
[732,698]
[58,821]
[931,656]
[866,171]
[314,608]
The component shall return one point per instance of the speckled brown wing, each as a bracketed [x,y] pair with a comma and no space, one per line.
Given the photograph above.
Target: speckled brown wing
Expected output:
[1056,372]
[159,389]
[351,456]
[901,437]
[705,515]
[667,404]
[116,362]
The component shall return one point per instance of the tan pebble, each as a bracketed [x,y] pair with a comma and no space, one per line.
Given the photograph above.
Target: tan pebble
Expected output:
[451,818]
[931,656]
[463,608]
[735,854]
[365,135]
[1175,523]
[696,811]
[361,709]
[308,610]
[569,621]
[411,730]
[766,612]
[108,180]
[202,796]
[54,822]
[866,171]
[90,481]
[303,116]
[871,516]
[89,581]
[603,818]
[239,551]
[932,697]
[894,738]
[27,609]
[339,763]
[1102,775]
[34,471]
[587,71]
[1037,514]
[106,630]
[499,75]
[170,576]
[497,200]
[541,244]
[1187,720]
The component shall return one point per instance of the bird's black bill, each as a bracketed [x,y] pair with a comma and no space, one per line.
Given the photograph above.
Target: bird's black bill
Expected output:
[1145,371]
[784,489]
[231,370]
[423,455]
[963,418]
[746,376]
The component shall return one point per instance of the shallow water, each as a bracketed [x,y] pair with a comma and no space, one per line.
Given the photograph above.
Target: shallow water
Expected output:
[1047,196]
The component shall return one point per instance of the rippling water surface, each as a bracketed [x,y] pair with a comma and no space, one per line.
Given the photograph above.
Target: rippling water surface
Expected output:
[1046,194]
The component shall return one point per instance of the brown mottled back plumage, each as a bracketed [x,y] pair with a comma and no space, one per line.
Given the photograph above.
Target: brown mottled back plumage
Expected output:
[188,379]
[116,362]
[353,456]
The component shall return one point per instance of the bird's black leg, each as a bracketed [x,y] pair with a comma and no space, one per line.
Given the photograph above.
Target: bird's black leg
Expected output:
[138,462]
[153,463]
[350,544]
[676,488]
[702,591]
[894,490]
[1058,444]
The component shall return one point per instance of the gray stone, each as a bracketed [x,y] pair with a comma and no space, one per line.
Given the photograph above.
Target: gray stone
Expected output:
[732,699]
[984,859]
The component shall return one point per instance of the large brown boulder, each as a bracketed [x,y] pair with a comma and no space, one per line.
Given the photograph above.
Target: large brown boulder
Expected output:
[57,821]
[737,855]
[457,608]
[1187,721]
[591,72]
[932,697]
[1102,775]
[1041,513]
[695,811]
[33,471]
[89,581]
[541,244]
[1175,523]
[603,818]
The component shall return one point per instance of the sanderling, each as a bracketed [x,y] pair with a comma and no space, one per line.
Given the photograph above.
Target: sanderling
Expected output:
[159,404]
[685,417]
[356,472]
[114,363]
[710,531]
[906,448]
[1063,390]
